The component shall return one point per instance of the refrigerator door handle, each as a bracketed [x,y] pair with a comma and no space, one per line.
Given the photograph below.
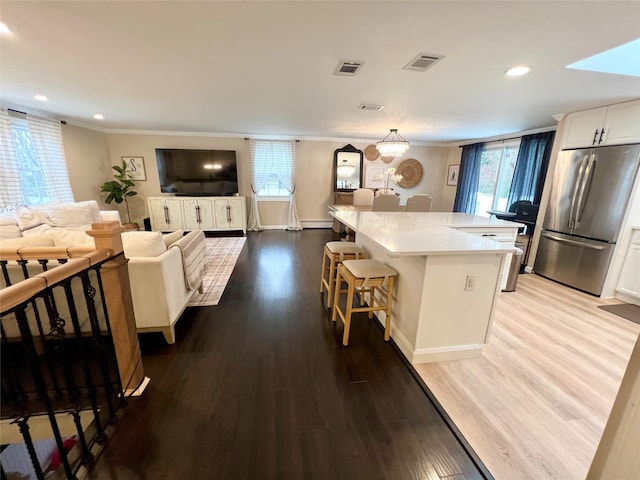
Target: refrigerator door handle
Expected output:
[572,242]
[579,183]
[586,186]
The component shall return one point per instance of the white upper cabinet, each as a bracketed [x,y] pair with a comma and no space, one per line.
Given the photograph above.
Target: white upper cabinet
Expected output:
[613,125]
[622,124]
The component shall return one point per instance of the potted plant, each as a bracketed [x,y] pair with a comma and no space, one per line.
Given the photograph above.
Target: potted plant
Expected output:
[121,188]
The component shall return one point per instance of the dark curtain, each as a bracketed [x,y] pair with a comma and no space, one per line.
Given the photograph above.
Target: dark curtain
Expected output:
[531,168]
[468,178]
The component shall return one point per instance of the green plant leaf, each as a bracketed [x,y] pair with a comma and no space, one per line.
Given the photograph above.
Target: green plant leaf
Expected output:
[121,187]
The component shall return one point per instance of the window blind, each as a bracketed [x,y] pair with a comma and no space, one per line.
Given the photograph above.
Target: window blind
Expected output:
[45,152]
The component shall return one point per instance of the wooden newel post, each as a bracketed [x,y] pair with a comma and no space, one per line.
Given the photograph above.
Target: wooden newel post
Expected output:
[115,280]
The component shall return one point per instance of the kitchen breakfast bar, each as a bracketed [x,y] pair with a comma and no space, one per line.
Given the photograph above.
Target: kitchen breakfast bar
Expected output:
[451,268]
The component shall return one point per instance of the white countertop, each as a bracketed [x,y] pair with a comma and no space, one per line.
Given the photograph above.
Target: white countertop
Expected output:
[420,233]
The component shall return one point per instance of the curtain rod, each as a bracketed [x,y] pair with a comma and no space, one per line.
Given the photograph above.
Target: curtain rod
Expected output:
[296,140]
[19,112]
[493,141]
[529,132]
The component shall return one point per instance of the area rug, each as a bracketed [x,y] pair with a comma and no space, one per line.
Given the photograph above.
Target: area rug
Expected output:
[222,254]
[624,310]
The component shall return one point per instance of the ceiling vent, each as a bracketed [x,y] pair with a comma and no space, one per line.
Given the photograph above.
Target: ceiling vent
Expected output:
[422,61]
[348,67]
[365,106]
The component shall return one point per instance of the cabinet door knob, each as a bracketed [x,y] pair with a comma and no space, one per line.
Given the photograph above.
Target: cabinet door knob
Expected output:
[595,136]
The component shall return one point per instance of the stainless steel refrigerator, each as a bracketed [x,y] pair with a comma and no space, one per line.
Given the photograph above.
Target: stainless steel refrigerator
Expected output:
[588,200]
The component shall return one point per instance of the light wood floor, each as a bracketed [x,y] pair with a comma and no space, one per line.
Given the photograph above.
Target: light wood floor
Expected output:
[535,404]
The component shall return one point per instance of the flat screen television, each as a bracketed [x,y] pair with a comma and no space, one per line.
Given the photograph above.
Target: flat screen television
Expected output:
[197,172]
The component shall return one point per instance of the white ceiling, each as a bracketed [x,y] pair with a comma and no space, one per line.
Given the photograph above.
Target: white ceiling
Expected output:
[266,68]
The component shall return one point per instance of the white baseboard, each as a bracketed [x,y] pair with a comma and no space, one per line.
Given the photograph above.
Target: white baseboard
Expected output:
[317,223]
[305,224]
[136,392]
[625,297]
[528,269]
[458,352]
[274,227]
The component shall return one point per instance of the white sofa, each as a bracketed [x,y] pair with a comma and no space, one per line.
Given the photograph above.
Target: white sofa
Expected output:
[164,271]
[52,225]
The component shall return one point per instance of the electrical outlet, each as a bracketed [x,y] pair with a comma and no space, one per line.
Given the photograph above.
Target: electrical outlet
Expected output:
[471,283]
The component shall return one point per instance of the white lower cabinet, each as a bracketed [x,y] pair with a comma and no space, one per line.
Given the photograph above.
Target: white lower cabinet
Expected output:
[165,213]
[198,213]
[230,213]
[629,280]
[504,236]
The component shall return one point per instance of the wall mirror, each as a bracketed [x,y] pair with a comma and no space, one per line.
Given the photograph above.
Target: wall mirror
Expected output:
[347,169]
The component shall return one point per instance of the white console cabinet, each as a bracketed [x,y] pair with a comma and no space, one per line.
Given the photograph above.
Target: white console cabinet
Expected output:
[203,213]
[198,214]
[165,213]
[613,125]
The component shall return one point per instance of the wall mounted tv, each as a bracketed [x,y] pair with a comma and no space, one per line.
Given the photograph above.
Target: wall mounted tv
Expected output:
[197,172]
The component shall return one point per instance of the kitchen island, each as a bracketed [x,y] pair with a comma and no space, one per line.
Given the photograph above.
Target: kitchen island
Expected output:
[450,271]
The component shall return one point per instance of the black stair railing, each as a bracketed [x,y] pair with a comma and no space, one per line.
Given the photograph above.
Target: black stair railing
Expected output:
[57,353]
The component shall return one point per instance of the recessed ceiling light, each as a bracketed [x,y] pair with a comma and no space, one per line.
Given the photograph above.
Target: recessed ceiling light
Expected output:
[41,98]
[98,116]
[517,71]
[4,30]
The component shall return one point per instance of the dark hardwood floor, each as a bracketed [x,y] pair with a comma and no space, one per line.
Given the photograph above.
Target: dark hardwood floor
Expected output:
[260,387]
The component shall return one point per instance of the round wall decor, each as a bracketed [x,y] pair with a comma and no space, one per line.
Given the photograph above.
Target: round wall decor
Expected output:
[387,159]
[411,171]
[371,153]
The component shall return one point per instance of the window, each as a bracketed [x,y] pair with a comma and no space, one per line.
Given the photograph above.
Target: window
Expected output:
[32,163]
[272,164]
[497,165]
[32,184]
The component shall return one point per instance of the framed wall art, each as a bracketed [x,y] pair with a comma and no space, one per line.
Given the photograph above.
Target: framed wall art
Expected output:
[136,167]
[452,174]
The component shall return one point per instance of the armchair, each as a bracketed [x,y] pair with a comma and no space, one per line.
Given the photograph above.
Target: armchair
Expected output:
[164,271]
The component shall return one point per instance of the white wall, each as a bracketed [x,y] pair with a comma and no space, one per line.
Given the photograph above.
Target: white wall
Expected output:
[91,153]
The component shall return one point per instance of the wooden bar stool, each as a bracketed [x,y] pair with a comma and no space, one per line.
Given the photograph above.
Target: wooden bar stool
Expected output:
[365,276]
[334,254]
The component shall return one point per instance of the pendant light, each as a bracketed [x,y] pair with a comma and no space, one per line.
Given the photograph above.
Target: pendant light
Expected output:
[393,145]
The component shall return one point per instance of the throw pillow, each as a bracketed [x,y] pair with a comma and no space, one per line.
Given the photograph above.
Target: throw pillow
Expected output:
[28,218]
[169,238]
[143,244]
[71,215]
[110,216]
[94,208]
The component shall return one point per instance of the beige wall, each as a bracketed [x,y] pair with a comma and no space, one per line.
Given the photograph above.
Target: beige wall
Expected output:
[449,194]
[88,161]
[91,153]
